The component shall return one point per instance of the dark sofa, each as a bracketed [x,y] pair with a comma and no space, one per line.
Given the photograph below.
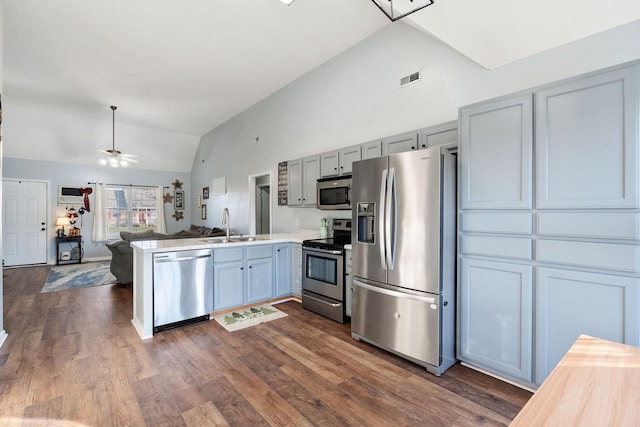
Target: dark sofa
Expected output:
[122,252]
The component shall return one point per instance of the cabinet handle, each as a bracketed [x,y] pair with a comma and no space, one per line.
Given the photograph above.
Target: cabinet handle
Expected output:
[250,266]
[241,268]
[42,229]
[424,146]
[413,148]
[335,169]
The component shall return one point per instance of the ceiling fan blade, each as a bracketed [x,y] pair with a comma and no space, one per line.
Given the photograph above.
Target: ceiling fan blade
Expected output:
[130,155]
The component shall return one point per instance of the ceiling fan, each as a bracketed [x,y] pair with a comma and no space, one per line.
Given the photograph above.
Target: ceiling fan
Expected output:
[113,157]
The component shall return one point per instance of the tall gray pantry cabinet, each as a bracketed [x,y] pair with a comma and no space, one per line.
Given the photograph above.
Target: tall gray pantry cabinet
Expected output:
[549,222]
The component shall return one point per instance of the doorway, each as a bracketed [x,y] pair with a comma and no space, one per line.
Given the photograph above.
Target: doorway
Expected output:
[260,203]
[24,222]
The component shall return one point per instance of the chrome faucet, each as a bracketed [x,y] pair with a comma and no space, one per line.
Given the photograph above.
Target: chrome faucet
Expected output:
[225,221]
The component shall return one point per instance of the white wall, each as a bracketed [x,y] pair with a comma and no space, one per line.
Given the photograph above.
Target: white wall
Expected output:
[69,174]
[355,97]
[3,334]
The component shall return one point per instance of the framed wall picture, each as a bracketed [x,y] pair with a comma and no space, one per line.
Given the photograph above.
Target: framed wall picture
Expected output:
[198,200]
[203,212]
[178,201]
[205,193]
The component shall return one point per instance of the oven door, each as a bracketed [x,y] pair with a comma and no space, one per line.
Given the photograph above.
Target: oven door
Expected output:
[323,272]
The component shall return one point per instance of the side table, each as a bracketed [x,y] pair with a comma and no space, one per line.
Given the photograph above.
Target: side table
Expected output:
[74,243]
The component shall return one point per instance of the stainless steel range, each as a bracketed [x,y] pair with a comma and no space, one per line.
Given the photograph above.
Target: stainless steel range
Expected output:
[323,283]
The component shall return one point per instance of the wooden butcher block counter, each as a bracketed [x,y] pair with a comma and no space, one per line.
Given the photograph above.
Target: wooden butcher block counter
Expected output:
[597,383]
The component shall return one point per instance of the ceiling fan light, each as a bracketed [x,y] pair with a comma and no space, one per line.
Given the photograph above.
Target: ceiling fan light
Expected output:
[123,162]
[103,161]
[287,2]
[113,162]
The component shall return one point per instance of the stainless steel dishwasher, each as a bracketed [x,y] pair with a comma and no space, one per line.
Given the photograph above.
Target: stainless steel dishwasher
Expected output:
[182,288]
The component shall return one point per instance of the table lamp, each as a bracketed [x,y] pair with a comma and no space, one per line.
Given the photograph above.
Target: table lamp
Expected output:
[61,222]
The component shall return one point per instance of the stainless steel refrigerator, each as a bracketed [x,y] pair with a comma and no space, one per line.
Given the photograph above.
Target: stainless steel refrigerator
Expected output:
[404,255]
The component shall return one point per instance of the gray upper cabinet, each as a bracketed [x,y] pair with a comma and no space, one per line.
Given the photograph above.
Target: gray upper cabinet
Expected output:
[302,177]
[496,140]
[347,156]
[400,143]
[446,133]
[586,142]
[336,163]
[371,150]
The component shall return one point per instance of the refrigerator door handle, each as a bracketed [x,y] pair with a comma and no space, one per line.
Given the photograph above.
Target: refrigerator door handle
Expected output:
[390,220]
[382,220]
[385,291]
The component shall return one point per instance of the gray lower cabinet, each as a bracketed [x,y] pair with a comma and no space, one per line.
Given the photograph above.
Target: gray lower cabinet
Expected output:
[570,303]
[242,275]
[284,269]
[296,280]
[570,219]
[495,316]
[228,278]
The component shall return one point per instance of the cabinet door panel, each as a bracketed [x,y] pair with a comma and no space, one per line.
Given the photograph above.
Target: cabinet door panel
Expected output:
[347,157]
[495,318]
[294,182]
[311,173]
[496,154]
[586,142]
[398,144]
[284,270]
[228,284]
[371,150]
[329,164]
[259,280]
[570,303]
[446,133]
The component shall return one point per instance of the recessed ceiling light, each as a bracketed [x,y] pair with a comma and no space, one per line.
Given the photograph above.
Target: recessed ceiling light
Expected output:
[287,2]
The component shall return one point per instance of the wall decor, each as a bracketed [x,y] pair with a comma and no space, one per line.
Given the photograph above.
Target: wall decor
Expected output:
[283,193]
[167,198]
[203,212]
[219,186]
[178,215]
[205,193]
[177,184]
[198,200]
[178,202]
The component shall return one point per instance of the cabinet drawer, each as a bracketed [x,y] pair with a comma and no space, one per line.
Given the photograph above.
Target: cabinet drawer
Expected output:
[504,247]
[225,255]
[501,222]
[262,251]
[604,225]
[588,254]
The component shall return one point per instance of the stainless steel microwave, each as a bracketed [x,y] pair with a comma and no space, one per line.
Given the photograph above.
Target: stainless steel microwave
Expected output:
[334,193]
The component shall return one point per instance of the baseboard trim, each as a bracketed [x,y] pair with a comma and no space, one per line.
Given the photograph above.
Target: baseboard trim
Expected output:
[499,377]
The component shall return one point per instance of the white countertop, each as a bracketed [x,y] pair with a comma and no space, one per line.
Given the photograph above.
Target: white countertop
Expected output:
[169,245]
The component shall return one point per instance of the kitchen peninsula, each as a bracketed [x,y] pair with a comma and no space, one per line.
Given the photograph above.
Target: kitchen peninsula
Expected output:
[274,255]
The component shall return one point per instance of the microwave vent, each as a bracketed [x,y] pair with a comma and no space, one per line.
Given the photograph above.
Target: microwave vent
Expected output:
[411,78]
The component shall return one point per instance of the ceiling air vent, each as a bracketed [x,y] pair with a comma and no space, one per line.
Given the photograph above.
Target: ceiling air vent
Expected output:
[411,78]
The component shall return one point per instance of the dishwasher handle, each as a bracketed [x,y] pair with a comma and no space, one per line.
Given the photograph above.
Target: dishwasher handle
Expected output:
[167,258]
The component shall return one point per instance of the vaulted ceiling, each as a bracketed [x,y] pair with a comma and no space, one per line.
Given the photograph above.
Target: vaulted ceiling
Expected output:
[189,66]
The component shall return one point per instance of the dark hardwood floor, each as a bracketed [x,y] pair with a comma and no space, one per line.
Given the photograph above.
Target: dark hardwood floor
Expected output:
[73,358]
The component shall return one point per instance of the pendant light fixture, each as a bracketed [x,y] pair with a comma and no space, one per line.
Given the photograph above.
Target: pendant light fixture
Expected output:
[113,157]
[398,9]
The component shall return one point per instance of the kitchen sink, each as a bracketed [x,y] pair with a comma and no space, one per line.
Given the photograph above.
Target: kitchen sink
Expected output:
[232,239]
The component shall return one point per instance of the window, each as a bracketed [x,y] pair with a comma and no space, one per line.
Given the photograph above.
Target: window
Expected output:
[127,208]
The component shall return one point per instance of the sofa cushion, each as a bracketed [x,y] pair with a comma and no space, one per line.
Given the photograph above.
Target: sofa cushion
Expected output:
[138,235]
[187,233]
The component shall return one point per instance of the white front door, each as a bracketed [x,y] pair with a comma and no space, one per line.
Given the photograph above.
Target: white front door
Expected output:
[24,222]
